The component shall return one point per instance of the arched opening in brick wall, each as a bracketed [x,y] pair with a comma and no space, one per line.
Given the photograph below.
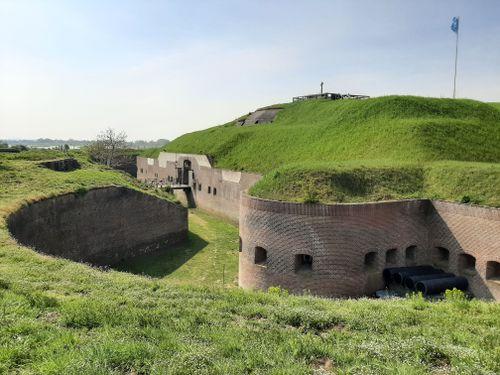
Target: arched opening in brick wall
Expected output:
[441,257]
[411,255]
[240,248]
[303,262]
[371,261]
[493,270]
[260,255]
[466,263]
[391,256]
[442,254]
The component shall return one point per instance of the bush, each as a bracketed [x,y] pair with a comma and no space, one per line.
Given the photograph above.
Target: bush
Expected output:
[455,296]
[277,291]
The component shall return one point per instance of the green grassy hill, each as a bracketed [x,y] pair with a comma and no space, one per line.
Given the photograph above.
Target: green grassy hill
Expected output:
[388,133]
[61,317]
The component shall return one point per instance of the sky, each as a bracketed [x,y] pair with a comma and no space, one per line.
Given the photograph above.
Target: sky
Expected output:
[159,69]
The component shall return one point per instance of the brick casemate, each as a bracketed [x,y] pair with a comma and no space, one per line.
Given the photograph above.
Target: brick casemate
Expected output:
[341,249]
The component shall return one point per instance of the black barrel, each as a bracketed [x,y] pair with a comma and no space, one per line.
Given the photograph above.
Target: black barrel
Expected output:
[434,286]
[389,273]
[399,277]
[410,281]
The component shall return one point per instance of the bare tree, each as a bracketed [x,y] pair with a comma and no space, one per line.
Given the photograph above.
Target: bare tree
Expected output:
[108,147]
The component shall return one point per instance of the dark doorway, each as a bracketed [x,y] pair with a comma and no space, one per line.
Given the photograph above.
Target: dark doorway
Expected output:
[186,167]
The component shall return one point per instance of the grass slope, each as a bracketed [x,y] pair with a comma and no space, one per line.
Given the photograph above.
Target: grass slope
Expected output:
[392,128]
[315,140]
[477,183]
[61,317]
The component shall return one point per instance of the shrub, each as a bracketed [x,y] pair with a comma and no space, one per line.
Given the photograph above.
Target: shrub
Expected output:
[277,291]
[456,297]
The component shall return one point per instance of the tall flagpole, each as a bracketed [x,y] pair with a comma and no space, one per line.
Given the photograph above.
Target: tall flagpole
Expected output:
[456,62]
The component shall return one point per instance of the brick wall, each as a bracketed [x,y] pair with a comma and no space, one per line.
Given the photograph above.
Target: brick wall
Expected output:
[102,226]
[475,231]
[351,244]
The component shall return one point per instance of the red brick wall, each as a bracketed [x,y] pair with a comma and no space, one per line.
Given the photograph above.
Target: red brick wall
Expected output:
[338,237]
[472,230]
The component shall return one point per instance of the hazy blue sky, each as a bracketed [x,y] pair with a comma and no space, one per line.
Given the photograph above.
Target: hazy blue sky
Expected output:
[158,69]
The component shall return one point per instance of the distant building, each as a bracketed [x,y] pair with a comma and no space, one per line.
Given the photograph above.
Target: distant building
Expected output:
[330,96]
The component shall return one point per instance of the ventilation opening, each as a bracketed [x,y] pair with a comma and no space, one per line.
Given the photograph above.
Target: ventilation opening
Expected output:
[240,248]
[371,260]
[411,255]
[303,262]
[391,256]
[466,263]
[260,255]
[493,270]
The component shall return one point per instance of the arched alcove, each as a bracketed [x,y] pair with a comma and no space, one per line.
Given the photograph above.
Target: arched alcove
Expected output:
[391,256]
[370,262]
[260,255]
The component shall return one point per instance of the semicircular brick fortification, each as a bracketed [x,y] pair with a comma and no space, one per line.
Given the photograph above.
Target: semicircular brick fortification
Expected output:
[100,226]
[341,250]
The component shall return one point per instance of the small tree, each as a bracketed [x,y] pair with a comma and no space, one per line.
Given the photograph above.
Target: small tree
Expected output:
[108,147]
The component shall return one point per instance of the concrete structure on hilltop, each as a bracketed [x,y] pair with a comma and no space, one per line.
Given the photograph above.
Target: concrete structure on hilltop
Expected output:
[329,95]
[340,249]
[260,116]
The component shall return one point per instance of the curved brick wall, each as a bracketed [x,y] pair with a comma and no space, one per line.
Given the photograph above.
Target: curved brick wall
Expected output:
[102,226]
[338,237]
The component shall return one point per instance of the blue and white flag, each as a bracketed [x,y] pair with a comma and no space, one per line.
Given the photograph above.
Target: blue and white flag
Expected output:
[454,24]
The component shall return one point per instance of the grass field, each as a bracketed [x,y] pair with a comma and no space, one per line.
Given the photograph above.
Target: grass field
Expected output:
[352,151]
[210,256]
[61,317]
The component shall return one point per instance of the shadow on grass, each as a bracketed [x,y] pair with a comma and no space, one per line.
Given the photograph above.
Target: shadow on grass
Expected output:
[164,261]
